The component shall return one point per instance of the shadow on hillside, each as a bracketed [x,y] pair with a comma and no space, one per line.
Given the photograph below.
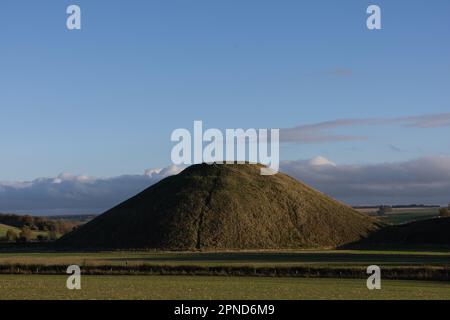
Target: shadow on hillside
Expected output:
[430,235]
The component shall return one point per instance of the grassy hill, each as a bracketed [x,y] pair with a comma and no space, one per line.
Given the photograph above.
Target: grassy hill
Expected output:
[431,232]
[45,227]
[4,228]
[224,207]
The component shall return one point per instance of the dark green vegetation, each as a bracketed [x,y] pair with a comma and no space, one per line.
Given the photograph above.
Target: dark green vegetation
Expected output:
[16,228]
[432,232]
[224,207]
[343,272]
[188,287]
[344,264]
[252,258]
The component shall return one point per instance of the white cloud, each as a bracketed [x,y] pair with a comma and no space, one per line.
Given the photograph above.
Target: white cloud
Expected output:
[320,132]
[423,180]
[321,161]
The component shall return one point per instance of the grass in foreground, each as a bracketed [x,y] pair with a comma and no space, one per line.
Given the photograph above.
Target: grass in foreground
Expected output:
[187,287]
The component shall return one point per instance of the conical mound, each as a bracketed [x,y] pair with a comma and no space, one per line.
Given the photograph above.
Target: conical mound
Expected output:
[227,206]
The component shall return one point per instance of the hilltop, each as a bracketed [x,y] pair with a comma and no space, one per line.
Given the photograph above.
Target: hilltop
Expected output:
[228,206]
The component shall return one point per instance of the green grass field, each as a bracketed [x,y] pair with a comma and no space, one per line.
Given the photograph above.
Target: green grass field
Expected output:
[259,258]
[4,228]
[401,216]
[405,216]
[187,287]
[27,286]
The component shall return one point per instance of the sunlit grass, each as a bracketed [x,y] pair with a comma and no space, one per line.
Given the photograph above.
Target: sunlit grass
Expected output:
[189,287]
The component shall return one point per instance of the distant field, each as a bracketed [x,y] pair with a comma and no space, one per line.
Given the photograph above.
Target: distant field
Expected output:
[187,287]
[4,228]
[405,215]
[257,258]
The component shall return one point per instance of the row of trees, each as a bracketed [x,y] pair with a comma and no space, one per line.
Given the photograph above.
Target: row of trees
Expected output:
[43,224]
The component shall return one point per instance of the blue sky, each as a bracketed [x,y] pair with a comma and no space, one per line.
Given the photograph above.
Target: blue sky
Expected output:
[104,100]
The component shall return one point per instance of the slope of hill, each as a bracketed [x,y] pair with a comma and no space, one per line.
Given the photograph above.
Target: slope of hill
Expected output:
[38,224]
[4,228]
[225,206]
[425,232]
[34,234]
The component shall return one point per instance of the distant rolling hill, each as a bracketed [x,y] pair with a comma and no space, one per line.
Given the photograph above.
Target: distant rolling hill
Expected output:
[425,232]
[4,228]
[226,206]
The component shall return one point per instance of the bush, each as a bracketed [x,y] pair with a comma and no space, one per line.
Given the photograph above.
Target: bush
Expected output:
[444,212]
[25,234]
[11,236]
[52,235]
[42,238]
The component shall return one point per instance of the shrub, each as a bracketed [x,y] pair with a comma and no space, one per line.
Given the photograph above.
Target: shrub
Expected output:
[25,234]
[52,235]
[11,235]
[444,212]
[42,238]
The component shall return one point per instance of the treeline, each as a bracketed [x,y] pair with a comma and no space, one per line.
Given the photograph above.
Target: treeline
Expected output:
[34,228]
[26,235]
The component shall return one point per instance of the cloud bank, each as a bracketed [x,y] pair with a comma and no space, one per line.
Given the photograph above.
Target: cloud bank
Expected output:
[420,181]
[423,180]
[320,132]
[69,194]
